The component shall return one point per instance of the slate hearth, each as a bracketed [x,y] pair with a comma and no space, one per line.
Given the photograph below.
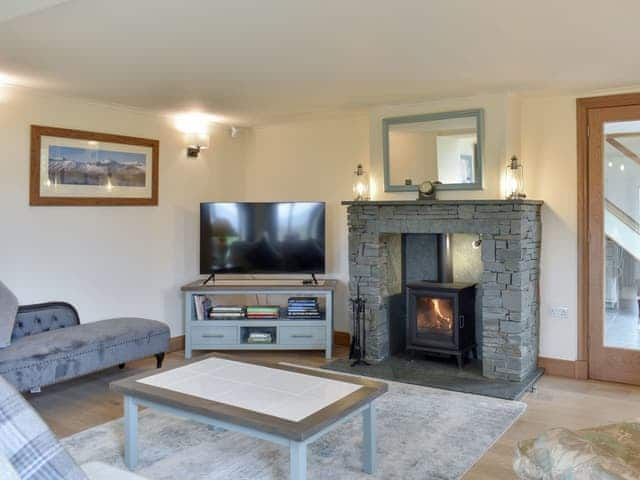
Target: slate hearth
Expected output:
[510,233]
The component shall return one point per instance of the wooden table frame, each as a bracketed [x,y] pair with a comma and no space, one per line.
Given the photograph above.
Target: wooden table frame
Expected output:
[295,435]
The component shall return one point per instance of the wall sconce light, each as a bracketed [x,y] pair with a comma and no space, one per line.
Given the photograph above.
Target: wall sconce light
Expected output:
[196,141]
[515,180]
[360,184]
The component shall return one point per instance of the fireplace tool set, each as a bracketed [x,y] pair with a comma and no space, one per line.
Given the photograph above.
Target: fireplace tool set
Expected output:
[358,351]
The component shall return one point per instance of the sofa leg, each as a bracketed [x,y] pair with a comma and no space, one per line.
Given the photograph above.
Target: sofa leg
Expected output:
[121,366]
[159,359]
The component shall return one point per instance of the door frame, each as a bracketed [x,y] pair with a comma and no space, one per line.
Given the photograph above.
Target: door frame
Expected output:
[583,106]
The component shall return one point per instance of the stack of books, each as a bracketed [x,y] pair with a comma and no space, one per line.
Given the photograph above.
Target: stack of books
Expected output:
[263,311]
[226,312]
[304,308]
[259,337]
[202,305]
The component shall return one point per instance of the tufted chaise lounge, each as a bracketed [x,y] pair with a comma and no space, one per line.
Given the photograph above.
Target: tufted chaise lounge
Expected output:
[49,345]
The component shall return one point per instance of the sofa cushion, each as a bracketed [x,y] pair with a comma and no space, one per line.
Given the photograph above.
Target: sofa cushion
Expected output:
[8,472]
[608,452]
[50,357]
[28,444]
[8,311]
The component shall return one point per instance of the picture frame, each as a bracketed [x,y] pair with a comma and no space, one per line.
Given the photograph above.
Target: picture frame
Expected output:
[82,168]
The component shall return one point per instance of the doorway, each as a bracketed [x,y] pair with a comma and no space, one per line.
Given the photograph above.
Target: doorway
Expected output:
[609,236]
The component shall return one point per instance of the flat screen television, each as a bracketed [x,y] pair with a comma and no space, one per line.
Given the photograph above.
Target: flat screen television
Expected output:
[262,238]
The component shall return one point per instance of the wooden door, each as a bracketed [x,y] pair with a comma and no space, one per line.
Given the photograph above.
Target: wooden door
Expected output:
[614,243]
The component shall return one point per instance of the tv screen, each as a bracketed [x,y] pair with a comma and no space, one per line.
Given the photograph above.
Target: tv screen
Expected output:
[262,237]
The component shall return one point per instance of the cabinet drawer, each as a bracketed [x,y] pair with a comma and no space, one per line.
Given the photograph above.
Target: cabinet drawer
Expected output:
[302,335]
[214,335]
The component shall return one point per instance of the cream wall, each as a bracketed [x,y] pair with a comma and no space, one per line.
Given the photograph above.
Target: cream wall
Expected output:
[313,160]
[108,261]
[549,154]
[131,260]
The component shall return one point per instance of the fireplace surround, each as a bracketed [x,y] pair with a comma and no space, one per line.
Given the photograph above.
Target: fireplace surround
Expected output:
[510,232]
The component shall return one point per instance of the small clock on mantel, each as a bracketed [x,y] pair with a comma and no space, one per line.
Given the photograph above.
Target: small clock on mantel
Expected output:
[427,190]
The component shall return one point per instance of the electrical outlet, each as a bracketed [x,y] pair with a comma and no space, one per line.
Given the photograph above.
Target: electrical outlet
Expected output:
[560,313]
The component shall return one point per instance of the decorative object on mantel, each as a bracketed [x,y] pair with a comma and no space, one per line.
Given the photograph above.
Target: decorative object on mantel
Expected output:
[358,349]
[79,168]
[515,180]
[360,184]
[427,190]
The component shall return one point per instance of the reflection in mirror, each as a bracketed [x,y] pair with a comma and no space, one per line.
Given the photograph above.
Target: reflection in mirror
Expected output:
[433,147]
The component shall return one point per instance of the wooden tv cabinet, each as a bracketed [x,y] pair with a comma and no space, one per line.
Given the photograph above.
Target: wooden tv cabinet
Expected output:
[290,334]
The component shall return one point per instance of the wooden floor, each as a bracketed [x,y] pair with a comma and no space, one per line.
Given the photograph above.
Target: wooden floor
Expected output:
[83,403]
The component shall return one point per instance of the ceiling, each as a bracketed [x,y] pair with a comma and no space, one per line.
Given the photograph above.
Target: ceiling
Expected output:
[256,61]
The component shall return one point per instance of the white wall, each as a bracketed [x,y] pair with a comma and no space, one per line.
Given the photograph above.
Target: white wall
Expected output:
[108,261]
[314,160]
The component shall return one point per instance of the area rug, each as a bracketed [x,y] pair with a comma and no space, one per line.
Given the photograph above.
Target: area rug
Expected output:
[438,373]
[423,433]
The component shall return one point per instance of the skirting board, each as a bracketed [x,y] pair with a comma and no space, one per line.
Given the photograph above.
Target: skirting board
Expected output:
[564,368]
[343,339]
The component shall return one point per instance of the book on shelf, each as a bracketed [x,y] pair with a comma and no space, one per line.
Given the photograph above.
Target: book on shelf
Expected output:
[259,337]
[202,305]
[227,316]
[263,308]
[306,308]
[227,308]
[226,312]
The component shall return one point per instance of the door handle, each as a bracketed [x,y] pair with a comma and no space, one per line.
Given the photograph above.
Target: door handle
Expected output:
[461,320]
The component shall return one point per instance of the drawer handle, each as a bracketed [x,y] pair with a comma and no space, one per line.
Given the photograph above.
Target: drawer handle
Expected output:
[301,336]
[211,335]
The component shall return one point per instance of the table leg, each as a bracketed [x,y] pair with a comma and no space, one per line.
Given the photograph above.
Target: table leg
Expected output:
[130,432]
[369,440]
[298,461]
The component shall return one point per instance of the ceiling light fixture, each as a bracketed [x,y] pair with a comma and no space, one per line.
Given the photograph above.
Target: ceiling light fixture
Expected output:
[622,167]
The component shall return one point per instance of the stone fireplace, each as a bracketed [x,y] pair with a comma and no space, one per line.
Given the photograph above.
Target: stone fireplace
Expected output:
[509,231]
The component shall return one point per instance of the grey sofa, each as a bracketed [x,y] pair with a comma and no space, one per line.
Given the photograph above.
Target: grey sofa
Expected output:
[49,345]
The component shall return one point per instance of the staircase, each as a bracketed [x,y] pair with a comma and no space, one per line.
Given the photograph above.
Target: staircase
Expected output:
[621,210]
[622,229]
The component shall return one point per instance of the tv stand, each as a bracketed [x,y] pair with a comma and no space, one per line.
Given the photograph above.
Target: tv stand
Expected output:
[211,278]
[288,333]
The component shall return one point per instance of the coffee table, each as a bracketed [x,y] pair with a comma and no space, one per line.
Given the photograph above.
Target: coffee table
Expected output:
[287,405]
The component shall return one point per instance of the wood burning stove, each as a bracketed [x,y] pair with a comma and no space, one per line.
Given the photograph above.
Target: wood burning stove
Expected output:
[441,319]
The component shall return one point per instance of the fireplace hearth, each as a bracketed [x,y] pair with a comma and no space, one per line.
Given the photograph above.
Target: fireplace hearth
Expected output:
[441,319]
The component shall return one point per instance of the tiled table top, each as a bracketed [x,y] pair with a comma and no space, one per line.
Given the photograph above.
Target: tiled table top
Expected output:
[279,393]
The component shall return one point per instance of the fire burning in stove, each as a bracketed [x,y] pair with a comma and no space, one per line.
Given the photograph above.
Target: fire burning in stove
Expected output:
[434,314]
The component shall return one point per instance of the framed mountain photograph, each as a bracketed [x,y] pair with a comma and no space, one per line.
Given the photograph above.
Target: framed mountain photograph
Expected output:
[74,167]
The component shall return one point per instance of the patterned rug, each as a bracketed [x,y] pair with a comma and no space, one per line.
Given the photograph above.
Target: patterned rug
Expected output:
[423,433]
